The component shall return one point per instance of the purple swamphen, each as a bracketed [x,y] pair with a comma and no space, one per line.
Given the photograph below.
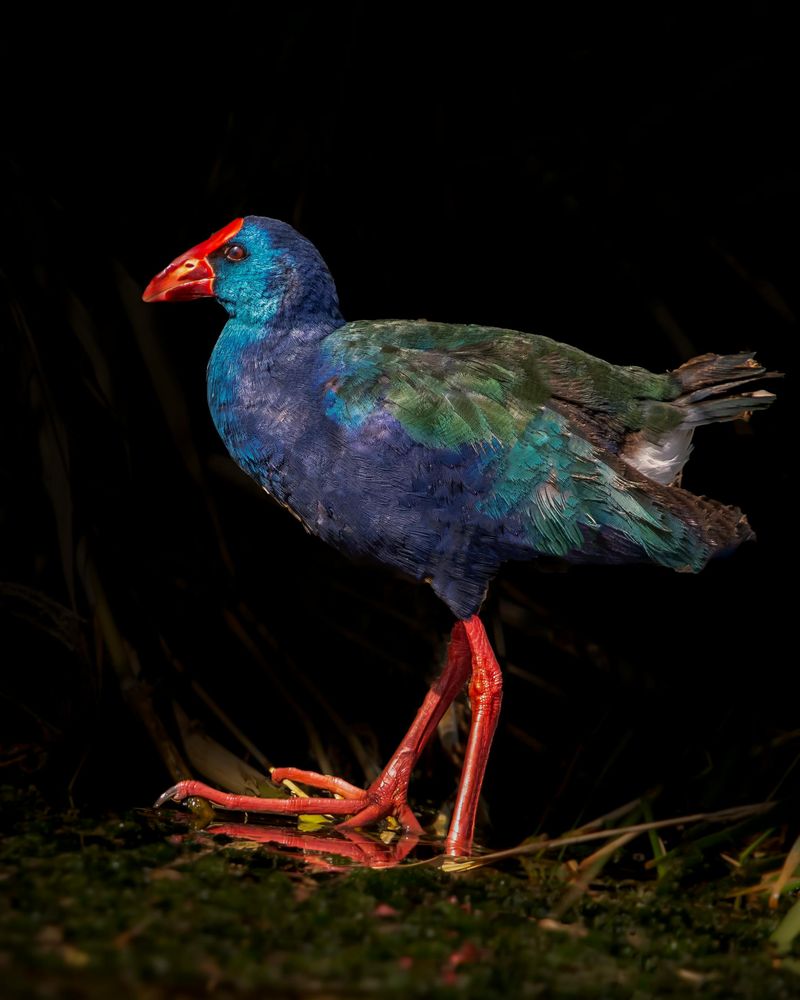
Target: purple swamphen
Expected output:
[443,451]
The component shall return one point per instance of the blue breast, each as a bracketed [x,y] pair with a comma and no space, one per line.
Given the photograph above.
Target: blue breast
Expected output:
[370,491]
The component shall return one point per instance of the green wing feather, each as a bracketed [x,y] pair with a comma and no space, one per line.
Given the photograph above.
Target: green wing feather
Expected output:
[546,422]
[450,385]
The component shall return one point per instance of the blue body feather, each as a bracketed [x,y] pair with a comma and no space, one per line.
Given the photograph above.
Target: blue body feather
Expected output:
[441,451]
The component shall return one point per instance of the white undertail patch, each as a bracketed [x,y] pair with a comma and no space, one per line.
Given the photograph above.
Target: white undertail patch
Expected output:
[662,462]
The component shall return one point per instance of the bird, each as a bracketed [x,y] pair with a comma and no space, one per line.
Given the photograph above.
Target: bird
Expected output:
[443,451]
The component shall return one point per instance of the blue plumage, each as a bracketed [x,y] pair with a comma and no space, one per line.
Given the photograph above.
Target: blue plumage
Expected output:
[442,450]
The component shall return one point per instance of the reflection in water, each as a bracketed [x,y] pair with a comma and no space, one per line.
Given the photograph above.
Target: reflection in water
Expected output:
[333,850]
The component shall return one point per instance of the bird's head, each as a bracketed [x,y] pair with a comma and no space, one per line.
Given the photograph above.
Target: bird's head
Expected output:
[250,266]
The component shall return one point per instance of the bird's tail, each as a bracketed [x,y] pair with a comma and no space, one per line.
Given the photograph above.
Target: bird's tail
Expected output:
[711,388]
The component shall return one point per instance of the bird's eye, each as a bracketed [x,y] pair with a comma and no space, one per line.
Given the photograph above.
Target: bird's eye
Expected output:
[234,252]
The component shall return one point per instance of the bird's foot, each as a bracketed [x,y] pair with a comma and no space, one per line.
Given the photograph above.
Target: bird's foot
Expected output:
[385,797]
[382,799]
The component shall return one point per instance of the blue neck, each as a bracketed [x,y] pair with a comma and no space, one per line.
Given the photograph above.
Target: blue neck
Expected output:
[262,370]
[296,301]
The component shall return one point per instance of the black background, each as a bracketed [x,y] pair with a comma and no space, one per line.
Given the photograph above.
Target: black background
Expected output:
[623,182]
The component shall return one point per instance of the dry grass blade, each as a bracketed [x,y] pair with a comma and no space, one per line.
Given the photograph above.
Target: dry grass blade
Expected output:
[317,749]
[789,868]
[588,870]
[656,844]
[218,764]
[370,767]
[379,653]
[86,334]
[170,395]
[54,453]
[218,711]
[609,817]
[787,930]
[765,289]
[126,666]
[721,816]
[43,613]
[366,761]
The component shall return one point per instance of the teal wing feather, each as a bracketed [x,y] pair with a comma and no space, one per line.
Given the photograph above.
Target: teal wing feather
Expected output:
[575,497]
[450,385]
[538,428]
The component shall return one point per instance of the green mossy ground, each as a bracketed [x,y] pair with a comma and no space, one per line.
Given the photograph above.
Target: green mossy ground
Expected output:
[125,907]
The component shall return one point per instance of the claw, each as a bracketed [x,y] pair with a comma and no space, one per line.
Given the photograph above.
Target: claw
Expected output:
[172,794]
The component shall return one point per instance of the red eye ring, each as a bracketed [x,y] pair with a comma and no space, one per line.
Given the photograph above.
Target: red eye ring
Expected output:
[234,252]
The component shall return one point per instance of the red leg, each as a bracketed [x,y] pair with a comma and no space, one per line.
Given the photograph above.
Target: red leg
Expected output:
[388,794]
[485,695]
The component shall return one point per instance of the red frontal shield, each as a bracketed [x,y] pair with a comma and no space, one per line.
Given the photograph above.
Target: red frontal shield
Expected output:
[190,276]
